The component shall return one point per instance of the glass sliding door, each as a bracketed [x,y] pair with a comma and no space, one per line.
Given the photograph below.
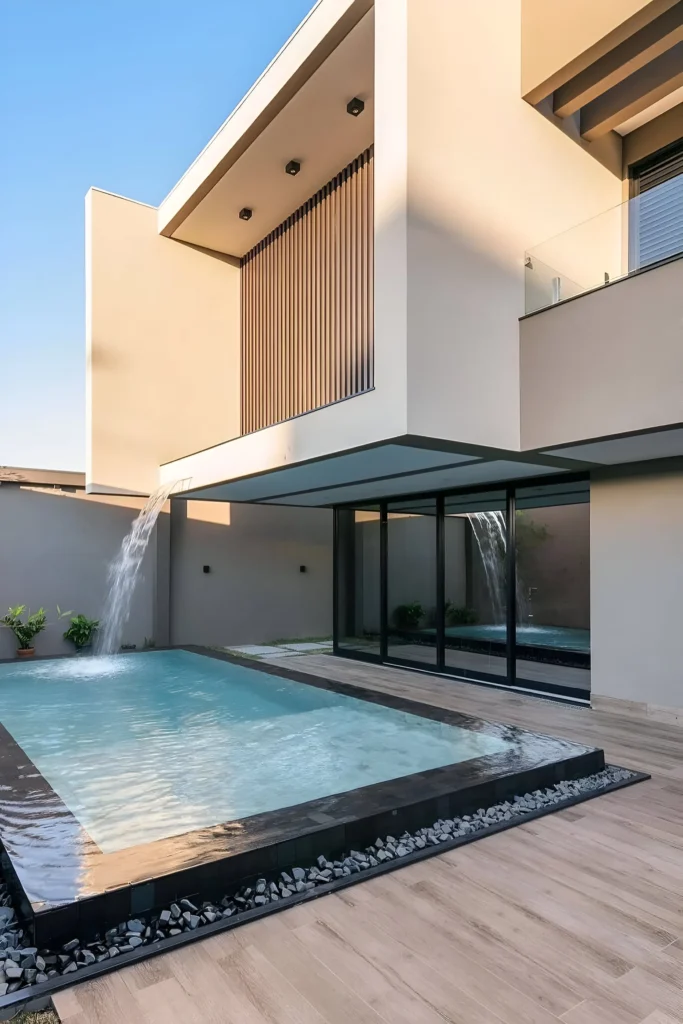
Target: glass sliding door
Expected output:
[475,585]
[552,541]
[358,581]
[412,581]
[431,581]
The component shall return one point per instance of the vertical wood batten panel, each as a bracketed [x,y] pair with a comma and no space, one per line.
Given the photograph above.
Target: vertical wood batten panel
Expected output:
[307,304]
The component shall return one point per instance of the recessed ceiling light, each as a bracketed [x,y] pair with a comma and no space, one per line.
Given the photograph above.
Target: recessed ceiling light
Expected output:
[355,107]
[293,167]
[245,213]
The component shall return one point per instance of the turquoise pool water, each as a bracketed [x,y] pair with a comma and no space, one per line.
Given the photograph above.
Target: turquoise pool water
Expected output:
[145,746]
[561,638]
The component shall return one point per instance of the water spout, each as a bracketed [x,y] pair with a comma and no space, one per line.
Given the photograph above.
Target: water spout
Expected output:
[124,572]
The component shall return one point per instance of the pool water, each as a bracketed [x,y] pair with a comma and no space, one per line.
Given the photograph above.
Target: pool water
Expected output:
[561,638]
[145,746]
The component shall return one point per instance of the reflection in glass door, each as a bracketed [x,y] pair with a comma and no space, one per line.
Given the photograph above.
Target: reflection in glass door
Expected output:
[357,556]
[411,581]
[490,585]
[552,540]
[475,589]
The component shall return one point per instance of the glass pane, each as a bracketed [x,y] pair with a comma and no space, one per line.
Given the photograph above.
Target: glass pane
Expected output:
[411,581]
[358,580]
[475,588]
[622,239]
[553,588]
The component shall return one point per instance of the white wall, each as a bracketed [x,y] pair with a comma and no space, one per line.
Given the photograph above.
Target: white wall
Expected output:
[488,178]
[637,587]
[609,363]
[254,591]
[55,548]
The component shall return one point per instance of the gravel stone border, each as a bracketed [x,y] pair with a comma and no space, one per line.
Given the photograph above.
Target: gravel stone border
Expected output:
[22,965]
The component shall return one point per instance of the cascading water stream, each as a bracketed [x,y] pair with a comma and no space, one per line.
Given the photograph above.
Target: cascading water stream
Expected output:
[489,532]
[124,572]
[491,537]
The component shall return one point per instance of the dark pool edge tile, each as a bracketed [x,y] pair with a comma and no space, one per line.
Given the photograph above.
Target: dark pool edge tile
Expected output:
[406,804]
[39,993]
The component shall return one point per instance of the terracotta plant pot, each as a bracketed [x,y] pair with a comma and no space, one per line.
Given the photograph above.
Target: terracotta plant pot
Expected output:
[26,652]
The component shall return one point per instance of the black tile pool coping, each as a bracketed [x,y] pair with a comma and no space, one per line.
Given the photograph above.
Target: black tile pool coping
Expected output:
[83,891]
[38,996]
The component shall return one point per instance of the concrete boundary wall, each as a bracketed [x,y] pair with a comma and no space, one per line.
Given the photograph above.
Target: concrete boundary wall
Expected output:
[56,546]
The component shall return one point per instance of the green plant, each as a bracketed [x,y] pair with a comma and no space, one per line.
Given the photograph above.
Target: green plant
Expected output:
[149,643]
[459,616]
[80,631]
[24,631]
[408,616]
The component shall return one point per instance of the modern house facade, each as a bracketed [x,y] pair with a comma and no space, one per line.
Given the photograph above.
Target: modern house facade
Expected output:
[427,277]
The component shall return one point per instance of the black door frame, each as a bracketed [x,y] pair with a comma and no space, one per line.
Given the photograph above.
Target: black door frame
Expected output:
[440,667]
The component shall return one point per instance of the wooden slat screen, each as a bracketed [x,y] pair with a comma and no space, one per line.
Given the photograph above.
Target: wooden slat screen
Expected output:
[307,304]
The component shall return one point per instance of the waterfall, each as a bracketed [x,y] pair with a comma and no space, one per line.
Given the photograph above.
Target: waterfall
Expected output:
[125,570]
[489,532]
[491,537]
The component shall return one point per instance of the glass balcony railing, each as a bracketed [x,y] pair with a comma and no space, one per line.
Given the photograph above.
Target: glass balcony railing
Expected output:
[633,235]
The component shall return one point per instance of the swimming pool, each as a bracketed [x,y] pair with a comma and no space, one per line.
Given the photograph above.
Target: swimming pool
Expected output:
[130,782]
[158,744]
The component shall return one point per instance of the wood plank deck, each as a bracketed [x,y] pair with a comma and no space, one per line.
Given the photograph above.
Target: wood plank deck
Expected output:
[576,917]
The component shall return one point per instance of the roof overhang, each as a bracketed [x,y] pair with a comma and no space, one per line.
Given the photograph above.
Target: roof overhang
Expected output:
[626,78]
[302,462]
[295,111]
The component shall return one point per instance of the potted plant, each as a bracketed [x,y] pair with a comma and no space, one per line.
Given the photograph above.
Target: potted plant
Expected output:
[80,631]
[408,616]
[25,631]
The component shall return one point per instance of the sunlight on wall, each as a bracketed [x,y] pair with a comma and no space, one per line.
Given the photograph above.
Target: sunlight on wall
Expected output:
[217,512]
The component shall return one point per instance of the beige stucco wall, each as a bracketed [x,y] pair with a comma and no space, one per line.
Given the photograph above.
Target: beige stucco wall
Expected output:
[561,37]
[255,591]
[488,177]
[162,327]
[55,548]
[637,588]
[605,363]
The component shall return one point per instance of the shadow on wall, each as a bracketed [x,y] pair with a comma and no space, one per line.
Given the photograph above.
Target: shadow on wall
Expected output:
[465,295]
[55,549]
[254,590]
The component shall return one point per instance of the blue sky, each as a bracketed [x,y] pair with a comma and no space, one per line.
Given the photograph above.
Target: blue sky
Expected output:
[121,94]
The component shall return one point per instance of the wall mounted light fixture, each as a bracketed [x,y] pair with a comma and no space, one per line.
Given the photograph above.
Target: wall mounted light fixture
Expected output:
[245,213]
[355,107]
[293,167]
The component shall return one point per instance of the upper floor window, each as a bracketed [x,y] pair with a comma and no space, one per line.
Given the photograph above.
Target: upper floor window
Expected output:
[656,220]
